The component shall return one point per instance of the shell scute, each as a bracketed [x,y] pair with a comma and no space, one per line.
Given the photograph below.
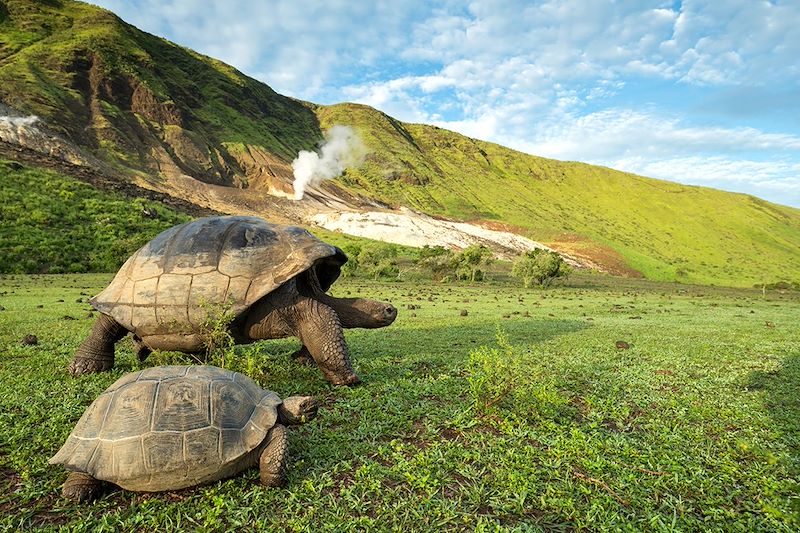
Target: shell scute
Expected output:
[182,404]
[232,406]
[130,411]
[128,457]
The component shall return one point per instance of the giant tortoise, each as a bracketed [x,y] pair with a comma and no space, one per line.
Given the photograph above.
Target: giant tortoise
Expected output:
[273,279]
[171,427]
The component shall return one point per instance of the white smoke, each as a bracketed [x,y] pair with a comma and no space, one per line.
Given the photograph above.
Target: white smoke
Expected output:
[16,122]
[342,148]
[16,129]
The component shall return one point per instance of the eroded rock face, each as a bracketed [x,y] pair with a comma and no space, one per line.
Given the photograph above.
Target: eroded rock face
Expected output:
[17,128]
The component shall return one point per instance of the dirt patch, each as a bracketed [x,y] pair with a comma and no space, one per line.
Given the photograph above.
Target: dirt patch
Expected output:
[39,511]
[594,255]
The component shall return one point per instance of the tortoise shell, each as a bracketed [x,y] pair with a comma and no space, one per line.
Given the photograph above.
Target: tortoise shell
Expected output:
[177,281]
[171,427]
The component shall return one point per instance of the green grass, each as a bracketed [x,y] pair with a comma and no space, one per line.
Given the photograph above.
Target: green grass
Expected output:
[522,415]
[54,223]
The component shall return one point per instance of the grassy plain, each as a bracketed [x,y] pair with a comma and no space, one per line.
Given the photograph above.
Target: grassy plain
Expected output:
[522,415]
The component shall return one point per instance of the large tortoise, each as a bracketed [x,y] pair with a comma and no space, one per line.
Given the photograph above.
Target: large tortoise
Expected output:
[171,427]
[273,278]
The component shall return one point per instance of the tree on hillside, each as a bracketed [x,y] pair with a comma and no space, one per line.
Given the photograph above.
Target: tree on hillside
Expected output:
[540,266]
[438,260]
[379,260]
[469,261]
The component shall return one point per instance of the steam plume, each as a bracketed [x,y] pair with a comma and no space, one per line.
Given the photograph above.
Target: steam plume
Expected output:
[341,148]
[16,122]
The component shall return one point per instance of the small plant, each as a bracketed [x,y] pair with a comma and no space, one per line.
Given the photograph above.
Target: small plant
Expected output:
[515,381]
[216,332]
[492,373]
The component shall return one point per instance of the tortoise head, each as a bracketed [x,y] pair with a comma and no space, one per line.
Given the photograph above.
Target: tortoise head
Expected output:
[362,312]
[297,410]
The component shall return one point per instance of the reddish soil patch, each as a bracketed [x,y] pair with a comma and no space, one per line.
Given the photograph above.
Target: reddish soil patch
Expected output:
[496,225]
[594,255]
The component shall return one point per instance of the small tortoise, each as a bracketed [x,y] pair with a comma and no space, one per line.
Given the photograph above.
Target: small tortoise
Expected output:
[273,278]
[171,427]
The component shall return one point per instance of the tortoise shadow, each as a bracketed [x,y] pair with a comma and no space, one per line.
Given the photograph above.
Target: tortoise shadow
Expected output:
[782,402]
[447,346]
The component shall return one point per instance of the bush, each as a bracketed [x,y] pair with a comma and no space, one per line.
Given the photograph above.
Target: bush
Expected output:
[541,267]
[469,261]
[379,260]
[438,260]
[350,268]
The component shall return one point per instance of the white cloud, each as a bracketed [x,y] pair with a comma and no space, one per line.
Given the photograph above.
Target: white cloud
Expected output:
[601,135]
[298,48]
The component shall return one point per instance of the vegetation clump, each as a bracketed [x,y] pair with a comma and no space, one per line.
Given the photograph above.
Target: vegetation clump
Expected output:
[540,267]
[55,224]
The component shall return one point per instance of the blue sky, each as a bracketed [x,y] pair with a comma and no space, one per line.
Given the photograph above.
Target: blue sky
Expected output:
[700,92]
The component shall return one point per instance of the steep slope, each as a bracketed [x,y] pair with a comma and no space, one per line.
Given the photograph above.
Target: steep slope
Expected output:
[140,102]
[664,230]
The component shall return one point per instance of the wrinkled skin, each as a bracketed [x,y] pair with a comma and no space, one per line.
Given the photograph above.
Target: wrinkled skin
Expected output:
[299,308]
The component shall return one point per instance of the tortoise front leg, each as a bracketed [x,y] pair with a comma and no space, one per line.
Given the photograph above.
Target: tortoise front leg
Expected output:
[96,353]
[274,459]
[321,333]
[283,313]
[82,487]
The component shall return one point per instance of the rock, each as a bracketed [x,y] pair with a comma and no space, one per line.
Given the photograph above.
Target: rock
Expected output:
[30,340]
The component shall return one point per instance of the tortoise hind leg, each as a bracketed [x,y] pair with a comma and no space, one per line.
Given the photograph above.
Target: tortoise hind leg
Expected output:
[82,487]
[96,352]
[140,348]
[274,458]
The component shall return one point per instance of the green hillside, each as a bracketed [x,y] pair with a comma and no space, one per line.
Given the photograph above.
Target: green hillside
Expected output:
[155,109]
[664,230]
[137,100]
[54,223]
[50,222]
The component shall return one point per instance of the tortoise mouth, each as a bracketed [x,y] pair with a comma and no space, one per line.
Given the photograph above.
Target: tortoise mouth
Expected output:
[389,314]
[309,408]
